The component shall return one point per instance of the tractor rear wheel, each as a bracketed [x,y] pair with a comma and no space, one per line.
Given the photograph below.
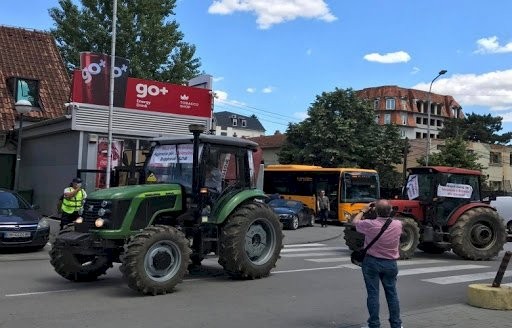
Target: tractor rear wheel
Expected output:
[353,239]
[250,241]
[479,234]
[155,260]
[409,238]
[77,267]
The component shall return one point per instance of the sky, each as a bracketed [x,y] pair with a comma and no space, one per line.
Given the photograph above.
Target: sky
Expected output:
[272,58]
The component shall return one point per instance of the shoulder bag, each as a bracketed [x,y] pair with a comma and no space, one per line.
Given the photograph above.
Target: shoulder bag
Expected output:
[357,257]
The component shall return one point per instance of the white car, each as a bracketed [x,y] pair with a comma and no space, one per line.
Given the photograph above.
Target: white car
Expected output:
[504,206]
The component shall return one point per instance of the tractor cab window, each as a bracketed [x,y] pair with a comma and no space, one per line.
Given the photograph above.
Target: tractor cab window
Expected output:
[171,164]
[419,187]
[459,186]
[223,167]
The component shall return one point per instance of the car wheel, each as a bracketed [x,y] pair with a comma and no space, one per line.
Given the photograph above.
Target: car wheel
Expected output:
[295,223]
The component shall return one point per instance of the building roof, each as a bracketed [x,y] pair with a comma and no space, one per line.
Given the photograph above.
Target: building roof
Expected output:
[224,119]
[32,55]
[274,141]
[394,91]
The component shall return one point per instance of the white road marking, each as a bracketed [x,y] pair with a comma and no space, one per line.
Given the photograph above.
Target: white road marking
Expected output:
[310,269]
[329,259]
[465,278]
[410,272]
[290,250]
[41,293]
[310,254]
[303,245]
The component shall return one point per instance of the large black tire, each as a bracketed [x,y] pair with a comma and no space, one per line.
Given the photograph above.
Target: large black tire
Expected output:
[353,239]
[76,267]
[409,239]
[479,234]
[155,260]
[251,240]
[431,248]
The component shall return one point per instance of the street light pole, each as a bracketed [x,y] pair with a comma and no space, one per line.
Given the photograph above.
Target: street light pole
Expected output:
[22,107]
[428,114]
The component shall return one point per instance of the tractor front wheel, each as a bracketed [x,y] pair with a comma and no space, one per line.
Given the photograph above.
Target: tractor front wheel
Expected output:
[155,260]
[353,239]
[409,238]
[250,241]
[479,234]
[77,267]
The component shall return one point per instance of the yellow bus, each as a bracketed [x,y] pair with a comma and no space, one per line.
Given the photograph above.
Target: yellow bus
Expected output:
[348,189]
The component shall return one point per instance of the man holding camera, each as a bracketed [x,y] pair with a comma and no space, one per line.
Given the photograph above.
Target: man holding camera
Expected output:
[379,264]
[73,200]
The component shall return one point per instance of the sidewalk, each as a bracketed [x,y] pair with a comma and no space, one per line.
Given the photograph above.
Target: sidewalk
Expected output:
[452,316]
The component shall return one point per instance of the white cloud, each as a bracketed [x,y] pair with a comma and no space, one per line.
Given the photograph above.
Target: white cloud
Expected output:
[267,90]
[220,95]
[309,52]
[218,79]
[250,90]
[389,58]
[415,70]
[491,45]
[492,89]
[301,115]
[271,12]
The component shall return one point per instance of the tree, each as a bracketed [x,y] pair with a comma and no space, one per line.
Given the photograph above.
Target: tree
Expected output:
[146,36]
[454,153]
[341,132]
[474,127]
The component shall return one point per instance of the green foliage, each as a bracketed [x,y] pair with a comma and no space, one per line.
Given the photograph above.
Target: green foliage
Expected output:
[341,132]
[454,153]
[146,35]
[474,127]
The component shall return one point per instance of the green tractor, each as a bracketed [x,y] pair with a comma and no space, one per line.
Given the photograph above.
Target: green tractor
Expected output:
[199,199]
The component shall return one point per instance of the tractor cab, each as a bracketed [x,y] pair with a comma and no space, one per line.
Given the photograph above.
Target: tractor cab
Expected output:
[441,190]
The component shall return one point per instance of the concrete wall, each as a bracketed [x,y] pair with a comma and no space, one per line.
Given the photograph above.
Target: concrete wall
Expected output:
[48,163]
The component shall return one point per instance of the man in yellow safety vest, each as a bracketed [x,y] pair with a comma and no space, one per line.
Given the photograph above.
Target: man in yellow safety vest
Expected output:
[73,200]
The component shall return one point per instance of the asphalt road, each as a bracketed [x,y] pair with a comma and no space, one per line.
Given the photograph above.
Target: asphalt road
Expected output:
[313,285]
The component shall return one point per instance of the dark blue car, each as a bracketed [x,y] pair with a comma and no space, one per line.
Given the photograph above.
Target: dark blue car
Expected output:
[292,214]
[20,224]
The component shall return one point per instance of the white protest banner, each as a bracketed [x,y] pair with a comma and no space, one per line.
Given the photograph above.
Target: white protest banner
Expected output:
[455,190]
[165,155]
[413,191]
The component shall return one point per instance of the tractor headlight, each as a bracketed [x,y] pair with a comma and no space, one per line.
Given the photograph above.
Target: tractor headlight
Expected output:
[102,211]
[99,223]
[79,220]
[105,203]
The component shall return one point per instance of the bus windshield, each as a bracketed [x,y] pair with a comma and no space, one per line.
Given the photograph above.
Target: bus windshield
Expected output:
[172,164]
[360,187]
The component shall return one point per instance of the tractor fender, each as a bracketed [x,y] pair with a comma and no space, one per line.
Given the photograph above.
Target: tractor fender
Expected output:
[227,205]
[464,208]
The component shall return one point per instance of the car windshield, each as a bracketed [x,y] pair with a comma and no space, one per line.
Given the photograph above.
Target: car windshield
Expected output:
[284,203]
[11,201]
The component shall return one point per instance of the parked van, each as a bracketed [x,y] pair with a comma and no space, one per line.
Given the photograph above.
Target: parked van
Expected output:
[504,206]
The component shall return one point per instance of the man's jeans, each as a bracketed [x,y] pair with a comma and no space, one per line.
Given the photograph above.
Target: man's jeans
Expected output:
[375,270]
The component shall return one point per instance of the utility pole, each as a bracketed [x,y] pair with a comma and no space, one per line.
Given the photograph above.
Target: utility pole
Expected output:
[428,114]
[406,152]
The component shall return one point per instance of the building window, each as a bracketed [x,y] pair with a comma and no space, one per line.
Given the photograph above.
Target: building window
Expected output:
[418,120]
[390,103]
[418,135]
[402,133]
[387,118]
[495,158]
[425,121]
[235,122]
[377,117]
[244,123]
[404,104]
[223,133]
[439,123]
[424,136]
[439,110]
[24,89]
[404,118]
[376,104]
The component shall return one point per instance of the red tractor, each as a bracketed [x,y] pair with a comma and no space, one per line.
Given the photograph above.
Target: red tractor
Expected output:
[441,209]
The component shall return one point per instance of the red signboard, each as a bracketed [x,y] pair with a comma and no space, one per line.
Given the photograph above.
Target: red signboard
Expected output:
[147,95]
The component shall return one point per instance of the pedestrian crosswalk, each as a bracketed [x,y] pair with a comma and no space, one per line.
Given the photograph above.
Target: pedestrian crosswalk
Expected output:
[339,258]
